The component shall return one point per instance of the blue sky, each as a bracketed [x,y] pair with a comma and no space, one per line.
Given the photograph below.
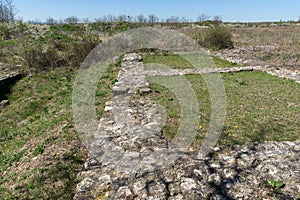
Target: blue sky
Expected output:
[229,10]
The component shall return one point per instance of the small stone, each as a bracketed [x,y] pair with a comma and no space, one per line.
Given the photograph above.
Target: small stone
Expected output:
[139,185]
[124,193]
[228,185]
[90,163]
[174,188]
[108,108]
[120,91]
[35,158]
[4,103]
[187,184]
[85,185]
[296,148]
[216,149]
[143,91]
[198,172]
[105,180]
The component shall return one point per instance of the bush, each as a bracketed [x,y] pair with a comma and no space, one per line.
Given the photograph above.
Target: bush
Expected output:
[81,47]
[198,36]
[218,38]
[4,31]
[39,57]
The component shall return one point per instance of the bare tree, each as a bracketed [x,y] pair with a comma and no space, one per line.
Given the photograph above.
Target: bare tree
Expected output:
[122,18]
[217,18]
[203,18]
[141,18]
[172,19]
[51,21]
[71,20]
[7,11]
[110,18]
[103,19]
[152,19]
[184,20]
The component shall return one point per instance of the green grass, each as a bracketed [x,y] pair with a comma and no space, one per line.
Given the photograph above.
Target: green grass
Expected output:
[220,63]
[177,62]
[174,61]
[41,152]
[260,107]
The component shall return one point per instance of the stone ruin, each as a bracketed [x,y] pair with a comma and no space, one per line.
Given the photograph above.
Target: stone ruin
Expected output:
[236,172]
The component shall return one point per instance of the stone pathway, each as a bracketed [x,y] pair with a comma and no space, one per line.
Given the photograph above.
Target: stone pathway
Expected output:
[129,146]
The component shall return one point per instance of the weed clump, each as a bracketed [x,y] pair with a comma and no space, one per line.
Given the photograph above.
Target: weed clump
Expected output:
[218,37]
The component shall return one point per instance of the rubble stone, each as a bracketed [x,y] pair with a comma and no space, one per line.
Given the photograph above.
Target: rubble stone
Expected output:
[238,172]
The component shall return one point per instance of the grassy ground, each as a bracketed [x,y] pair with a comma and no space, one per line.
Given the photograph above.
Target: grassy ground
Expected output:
[260,107]
[40,151]
[177,62]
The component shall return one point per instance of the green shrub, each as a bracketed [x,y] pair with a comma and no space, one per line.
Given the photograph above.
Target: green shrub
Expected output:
[4,31]
[198,36]
[66,27]
[81,47]
[218,38]
[39,57]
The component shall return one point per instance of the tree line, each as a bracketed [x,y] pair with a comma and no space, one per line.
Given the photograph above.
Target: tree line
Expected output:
[8,13]
[150,19]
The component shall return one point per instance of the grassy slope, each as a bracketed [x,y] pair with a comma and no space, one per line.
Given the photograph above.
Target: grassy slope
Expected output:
[40,149]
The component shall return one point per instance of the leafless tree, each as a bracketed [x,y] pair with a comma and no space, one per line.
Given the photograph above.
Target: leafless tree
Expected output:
[172,19]
[51,20]
[153,19]
[141,18]
[7,11]
[217,18]
[102,19]
[203,18]
[184,20]
[122,18]
[71,20]
[110,18]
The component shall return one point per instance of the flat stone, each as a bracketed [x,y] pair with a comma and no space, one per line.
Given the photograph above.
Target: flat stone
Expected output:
[85,185]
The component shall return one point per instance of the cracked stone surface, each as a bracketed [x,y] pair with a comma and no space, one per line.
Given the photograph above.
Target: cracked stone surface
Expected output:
[130,130]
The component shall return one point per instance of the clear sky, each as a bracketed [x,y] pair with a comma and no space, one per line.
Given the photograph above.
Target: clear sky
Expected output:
[229,10]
